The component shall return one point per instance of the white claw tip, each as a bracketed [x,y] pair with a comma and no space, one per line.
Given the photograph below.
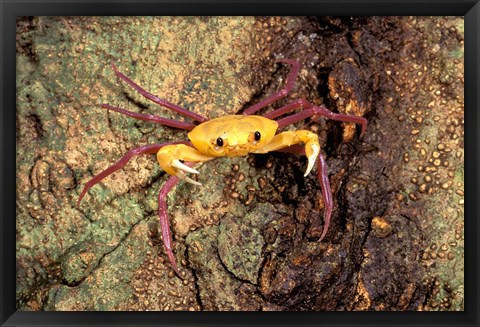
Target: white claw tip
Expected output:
[315,150]
[191,181]
[183,177]
[179,165]
[309,169]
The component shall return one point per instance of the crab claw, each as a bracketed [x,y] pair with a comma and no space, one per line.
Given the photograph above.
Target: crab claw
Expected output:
[181,169]
[179,165]
[180,174]
[311,151]
[170,159]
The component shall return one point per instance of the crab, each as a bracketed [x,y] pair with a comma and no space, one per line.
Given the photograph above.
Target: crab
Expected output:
[232,136]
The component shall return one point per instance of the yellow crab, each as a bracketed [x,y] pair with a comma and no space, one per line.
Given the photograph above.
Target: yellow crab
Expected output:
[233,135]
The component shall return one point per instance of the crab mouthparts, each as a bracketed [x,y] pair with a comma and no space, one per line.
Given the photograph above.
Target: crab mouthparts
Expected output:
[236,150]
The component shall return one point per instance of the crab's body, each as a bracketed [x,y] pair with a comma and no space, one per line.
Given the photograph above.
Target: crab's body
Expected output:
[232,136]
[237,133]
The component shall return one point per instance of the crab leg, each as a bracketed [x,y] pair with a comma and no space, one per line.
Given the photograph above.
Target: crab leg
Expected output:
[170,159]
[165,222]
[289,138]
[280,94]
[156,99]
[148,149]
[297,104]
[322,175]
[312,110]
[152,118]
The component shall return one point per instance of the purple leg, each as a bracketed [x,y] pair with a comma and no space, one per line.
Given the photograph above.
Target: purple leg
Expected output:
[326,192]
[148,149]
[157,100]
[312,110]
[280,94]
[309,111]
[300,103]
[165,222]
[322,174]
[152,118]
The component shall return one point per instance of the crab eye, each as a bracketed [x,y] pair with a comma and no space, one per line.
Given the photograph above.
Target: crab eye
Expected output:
[219,141]
[257,136]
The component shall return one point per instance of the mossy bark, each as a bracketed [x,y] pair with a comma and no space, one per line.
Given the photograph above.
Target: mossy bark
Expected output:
[248,238]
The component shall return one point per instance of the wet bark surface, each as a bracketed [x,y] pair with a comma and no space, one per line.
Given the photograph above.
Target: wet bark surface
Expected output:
[248,239]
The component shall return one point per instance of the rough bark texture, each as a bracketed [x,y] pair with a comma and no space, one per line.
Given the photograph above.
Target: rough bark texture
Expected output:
[248,238]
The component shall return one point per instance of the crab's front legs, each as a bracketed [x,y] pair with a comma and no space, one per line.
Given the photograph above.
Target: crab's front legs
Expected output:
[170,158]
[312,151]
[288,138]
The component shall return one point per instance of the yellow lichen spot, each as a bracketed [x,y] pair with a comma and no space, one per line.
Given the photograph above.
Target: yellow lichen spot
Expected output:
[380,226]
[362,297]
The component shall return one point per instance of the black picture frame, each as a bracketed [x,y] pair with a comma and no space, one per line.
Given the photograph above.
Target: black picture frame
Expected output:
[11,9]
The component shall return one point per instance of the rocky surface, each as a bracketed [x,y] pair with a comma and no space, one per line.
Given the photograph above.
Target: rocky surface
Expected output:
[248,238]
